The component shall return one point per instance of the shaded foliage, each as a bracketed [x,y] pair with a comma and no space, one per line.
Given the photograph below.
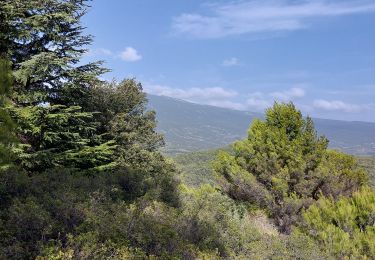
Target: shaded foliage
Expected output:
[7,126]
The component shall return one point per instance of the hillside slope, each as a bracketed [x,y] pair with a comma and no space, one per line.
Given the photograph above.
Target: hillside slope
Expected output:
[192,127]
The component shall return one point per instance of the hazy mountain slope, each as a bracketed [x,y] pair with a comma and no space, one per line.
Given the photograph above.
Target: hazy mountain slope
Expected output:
[192,127]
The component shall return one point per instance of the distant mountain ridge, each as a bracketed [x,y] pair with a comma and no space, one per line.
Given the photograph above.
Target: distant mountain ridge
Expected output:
[191,127]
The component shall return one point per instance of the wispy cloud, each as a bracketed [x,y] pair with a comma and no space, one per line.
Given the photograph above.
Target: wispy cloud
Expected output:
[338,105]
[214,96]
[259,16]
[259,101]
[130,55]
[98,52]
[230,62]
[228,104]
[191,94]
[289,94]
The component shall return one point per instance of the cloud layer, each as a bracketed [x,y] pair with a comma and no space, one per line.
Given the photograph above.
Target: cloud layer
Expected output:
[337,105]
[259,101]
[218,96]
[130,54]
[256,101]
[261,16]
[191,94]
[230,62]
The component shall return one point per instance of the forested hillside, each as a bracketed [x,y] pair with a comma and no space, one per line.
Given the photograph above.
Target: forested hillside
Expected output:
[82,175]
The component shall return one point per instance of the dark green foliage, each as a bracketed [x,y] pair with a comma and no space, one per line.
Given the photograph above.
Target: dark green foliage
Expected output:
[44,42]
[7,126]
[60,136]
[284,166]
[122,117]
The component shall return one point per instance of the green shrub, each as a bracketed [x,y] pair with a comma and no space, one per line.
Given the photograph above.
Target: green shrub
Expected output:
[345,228]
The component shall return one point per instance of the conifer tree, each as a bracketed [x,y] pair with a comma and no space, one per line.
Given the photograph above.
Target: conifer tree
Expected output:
[44,40]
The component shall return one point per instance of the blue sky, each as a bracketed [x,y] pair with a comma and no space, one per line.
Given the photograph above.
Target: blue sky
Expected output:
[244,54]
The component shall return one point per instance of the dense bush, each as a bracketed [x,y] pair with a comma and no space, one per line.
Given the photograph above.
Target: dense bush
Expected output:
[345,228]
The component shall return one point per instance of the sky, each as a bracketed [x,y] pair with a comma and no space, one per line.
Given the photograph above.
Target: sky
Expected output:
[319,54]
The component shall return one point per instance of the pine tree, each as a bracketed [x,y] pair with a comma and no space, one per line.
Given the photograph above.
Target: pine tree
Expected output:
[284,166]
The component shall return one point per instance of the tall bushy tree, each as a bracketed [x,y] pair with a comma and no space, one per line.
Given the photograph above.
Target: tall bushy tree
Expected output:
[44,40]
[123,117]
[284,166]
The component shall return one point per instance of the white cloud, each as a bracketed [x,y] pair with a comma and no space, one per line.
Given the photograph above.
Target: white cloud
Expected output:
[130,54]
[259,101]
[230,62]
[337,105]
[214,96]
[228,104]
[263,16]
[192,94]
[288,94]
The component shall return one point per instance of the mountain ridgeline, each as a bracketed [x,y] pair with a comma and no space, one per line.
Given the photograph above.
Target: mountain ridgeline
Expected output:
[191,127]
